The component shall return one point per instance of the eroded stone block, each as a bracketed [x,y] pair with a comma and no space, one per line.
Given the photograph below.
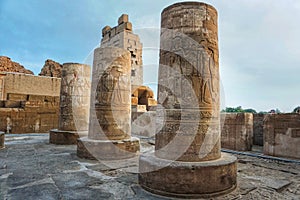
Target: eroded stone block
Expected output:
[280,135]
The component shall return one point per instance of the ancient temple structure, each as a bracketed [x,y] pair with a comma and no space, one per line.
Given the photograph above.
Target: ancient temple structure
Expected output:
[28,104]
[187,161]
[74,104]
[109,135]
[122,36]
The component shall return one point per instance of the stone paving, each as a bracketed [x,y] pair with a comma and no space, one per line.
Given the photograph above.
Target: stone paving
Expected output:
[31,168]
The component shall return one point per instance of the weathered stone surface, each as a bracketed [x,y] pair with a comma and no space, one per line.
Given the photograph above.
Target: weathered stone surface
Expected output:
[29,104]
[59,174]
[74,104]
[122,36]
[144,96]
[107,149]
[276,184]
[109,135]
[75,97]
[23,84]
[51,68]
[188,82]
[7,65]
[258,129]
[187,161]
[282,135]
[65,137]
[186,180]
[237,131]
[143,123]
[2,140]
[110,104]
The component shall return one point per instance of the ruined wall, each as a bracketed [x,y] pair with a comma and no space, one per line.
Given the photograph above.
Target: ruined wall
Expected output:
[282,135]
[30,117]
[142,98]
[16,83]
[122,36]
[237,131]
[258,126]
[7,65]
[51,68]
[143,115]
[28,104]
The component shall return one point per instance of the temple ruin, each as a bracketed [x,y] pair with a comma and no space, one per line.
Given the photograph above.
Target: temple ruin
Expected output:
[188,161]
[28,104]
[117,142]
[281,134]
[237,131]
[122,36]
[74,104]
[109,135]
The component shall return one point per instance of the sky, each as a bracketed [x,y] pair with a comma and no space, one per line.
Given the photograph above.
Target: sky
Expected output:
[258,41]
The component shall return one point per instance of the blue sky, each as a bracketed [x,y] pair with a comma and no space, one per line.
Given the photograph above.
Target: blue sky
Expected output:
[258,41]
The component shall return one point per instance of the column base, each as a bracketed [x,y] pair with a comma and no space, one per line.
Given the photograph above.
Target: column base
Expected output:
[188,179]
[2,139]
[65,137]
[107,149]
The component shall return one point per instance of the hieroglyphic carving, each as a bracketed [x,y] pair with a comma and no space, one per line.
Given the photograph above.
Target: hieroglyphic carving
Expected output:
[112,98]
[189,84]
[74,98]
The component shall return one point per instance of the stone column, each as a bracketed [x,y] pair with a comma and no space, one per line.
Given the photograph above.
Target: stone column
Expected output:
[109,135]
[187,161]
[2,139]
[74,104]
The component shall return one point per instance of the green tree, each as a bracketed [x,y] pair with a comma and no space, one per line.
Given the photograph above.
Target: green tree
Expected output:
[238,109]
[250,110]
[297,110]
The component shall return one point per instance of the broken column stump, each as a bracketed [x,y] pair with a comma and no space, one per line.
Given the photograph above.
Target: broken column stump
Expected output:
[74,104]
[187,162]
[2,139]
[109,135]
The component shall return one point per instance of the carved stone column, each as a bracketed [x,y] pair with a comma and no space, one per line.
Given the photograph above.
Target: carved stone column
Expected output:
[109,135]
[74,104]
[188,161]
[2,139]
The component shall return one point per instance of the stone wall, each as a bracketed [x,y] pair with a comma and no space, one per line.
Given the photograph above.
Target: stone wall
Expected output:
[258,126]
[28,104]
[237,131]
[23,84]
[282,135]
[143,95]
